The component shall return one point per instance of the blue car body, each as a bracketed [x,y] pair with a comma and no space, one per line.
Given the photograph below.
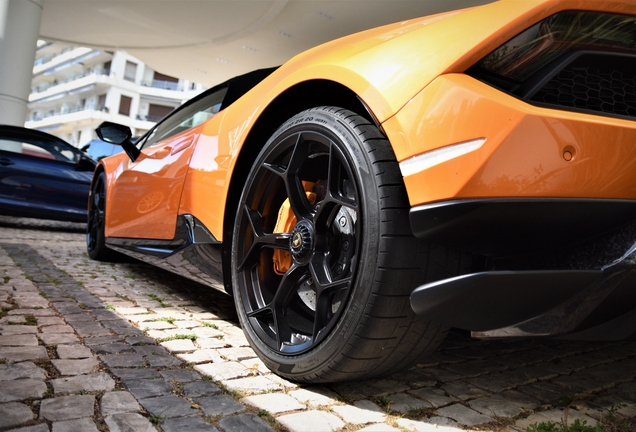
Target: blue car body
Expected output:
[42,176]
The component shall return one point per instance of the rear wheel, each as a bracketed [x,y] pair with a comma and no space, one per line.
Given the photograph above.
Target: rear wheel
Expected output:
[323,260]
[95,239]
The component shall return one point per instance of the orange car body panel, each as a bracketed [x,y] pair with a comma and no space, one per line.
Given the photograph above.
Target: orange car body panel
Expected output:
[524,154]
[406,74]
[147,193]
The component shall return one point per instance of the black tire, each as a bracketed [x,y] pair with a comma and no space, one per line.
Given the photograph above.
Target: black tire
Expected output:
[359,323]
[95,238]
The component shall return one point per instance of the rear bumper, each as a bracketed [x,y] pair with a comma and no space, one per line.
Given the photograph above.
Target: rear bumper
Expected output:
[553,266]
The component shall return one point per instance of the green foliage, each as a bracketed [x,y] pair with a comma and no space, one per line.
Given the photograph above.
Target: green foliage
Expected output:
[577,426]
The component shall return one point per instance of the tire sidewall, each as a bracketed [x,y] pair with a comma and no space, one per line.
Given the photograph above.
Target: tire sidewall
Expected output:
[312,362]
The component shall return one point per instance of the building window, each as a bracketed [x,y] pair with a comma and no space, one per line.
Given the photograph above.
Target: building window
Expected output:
[131,71]
[107,68]
[157,112]
[165,81]
[124,105]
[101,102]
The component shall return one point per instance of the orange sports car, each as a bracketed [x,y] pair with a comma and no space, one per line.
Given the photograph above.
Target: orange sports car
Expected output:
[473,169]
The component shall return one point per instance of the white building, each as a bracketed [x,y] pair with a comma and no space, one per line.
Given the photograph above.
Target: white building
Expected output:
[74,89]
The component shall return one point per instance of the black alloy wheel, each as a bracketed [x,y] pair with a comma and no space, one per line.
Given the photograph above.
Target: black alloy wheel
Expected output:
[311,252]
[95,240]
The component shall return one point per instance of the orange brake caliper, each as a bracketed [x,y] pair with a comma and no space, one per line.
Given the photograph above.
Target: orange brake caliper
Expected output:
[285,223]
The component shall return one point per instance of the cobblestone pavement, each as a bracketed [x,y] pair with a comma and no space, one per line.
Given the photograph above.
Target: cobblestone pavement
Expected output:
[88,346]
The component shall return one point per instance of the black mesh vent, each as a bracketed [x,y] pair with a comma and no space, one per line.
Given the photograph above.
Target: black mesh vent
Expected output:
[607,87]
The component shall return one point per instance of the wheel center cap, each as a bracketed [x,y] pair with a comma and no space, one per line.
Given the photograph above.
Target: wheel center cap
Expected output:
[301,242]
[297,241]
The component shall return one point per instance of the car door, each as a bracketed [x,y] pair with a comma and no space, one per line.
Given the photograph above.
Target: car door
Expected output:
[42,176]
[145,196]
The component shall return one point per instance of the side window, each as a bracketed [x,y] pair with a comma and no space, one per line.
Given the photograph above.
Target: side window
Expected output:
[186,118]
[44,150]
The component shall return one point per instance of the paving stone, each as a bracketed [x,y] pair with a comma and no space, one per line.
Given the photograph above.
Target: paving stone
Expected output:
[436,397]
[122,360]
[403,403]
[63,328]
[203,356]
[118,402]
[179,346]
[168,406]
[200,388]
[315,397]
[219,405]
[274,403]
[73,352]
[495,406]
[18,329]
[105,314]
[319,420]
[190,424]
[76,367]
[132,374]
[41,427]
[463,415]
[180,375]
[433,424]
[13,414]
[131,310]
[162,361]
[18,354]
[210,343]
[237,354]
[140,340]
[78,317]
[67,407]
[146,388]
[18,371]
[129,422]
[86,329]
[101,340]
[157,325]
[244,422]
[83,424]
[92,382]
[146,350]
[21,389]
[463,391]
[363,412]
[20,340]
[58,338]
[113,348]
[222,371]
[379,428]
[252,384]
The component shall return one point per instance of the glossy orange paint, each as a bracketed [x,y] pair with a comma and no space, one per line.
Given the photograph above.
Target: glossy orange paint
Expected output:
[523,155]
[147,192]
[401,71]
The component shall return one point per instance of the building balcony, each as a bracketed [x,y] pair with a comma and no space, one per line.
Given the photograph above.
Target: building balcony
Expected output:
[60,60]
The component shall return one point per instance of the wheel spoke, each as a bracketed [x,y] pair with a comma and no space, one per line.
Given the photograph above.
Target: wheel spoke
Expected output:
[285,291]
[325,292]
[261,239]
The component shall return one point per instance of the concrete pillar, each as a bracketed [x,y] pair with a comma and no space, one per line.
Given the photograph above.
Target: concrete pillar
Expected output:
[19,31]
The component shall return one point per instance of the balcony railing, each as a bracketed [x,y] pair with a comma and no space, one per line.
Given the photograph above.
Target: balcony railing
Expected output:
[45,86]
[66,110]
[161,84]
[50,57]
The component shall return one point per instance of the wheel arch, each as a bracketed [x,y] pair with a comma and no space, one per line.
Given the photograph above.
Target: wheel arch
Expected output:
[302,96]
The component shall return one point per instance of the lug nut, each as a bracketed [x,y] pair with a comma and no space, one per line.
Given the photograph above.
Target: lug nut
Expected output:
[343,221]
[345,246]
[338,269]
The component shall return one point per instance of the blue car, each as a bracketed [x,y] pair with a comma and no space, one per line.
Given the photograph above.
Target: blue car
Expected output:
[42,176]
[98,149]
